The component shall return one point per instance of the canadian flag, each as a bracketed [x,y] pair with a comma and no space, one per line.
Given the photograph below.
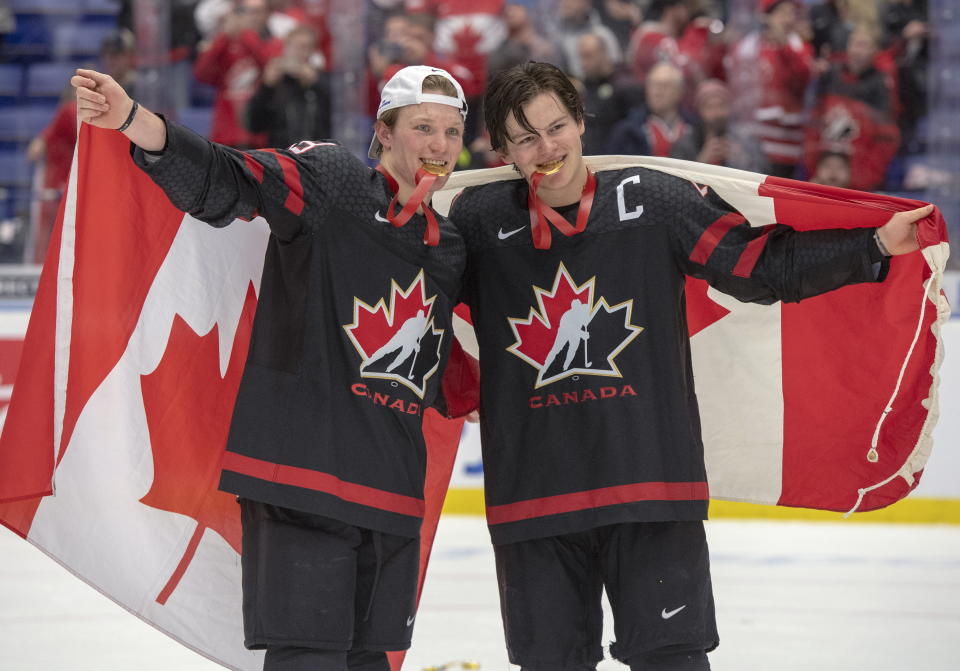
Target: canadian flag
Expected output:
[111,449]
[110,452]
[829,403]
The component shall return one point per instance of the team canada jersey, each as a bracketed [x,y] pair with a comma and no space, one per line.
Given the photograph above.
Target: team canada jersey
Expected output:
[588,410]
[351,334]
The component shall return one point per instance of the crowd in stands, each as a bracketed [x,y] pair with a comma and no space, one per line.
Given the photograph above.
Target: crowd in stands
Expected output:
[833,91]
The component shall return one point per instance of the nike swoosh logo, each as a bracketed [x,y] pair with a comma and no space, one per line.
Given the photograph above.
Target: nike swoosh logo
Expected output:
[504,236]
[379,218]
[666,615]
[411,619]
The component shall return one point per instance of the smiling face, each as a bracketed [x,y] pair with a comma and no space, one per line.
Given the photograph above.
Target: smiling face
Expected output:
[555,136]
[425,134]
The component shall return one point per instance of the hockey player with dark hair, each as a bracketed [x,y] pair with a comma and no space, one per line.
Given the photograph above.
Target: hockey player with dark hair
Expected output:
[593,461]
[325,448]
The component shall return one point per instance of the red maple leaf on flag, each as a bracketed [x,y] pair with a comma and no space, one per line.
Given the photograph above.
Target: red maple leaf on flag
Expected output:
[188,408]
[467,40]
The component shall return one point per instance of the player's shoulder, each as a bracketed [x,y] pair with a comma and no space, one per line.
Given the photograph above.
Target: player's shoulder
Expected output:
[476,204]
[476,207]
[322,151]
[656,185]
[471,198]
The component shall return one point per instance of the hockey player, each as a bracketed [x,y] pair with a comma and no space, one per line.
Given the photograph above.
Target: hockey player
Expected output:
[604,485]
[327,458]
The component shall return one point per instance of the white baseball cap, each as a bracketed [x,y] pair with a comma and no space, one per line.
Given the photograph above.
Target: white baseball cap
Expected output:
[406,88]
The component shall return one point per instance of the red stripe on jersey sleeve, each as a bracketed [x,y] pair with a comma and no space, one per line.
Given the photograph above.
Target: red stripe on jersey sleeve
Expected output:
[254,167]
[323,482]
[291,177]
[597,498]
[711,237]
[748,258]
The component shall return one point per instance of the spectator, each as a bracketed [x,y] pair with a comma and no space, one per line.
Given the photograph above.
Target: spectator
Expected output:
[833,169]
[830,28]
[718,140]
[232,62]
[287,14]
[658,129]
[703,45]
[770,70]
[905,21]
[183,36]
[853,114]
[831,22]
[477,25]
[857,77]
[293,101]
[657,37]
[622,17]
[607,95]
[523,43]
[576,18]
[53,147]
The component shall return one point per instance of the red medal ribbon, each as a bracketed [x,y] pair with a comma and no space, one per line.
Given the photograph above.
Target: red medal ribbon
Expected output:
[542,215]
[425,180]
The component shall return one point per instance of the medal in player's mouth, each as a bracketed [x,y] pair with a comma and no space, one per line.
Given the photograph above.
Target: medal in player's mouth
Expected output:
[434,166]
[550,167]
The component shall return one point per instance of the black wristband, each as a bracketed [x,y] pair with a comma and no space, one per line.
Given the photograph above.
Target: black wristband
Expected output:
[880,246]
[133,113]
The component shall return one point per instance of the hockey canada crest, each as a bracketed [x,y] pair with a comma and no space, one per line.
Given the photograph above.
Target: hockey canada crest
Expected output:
[398,342]
[571,332]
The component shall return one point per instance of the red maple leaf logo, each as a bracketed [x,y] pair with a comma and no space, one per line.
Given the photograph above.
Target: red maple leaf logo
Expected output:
[400,337]
[467,39]
[561,323]
[188,408]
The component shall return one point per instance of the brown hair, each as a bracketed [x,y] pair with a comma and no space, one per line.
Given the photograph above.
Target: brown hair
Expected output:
[510,90]
[431,84]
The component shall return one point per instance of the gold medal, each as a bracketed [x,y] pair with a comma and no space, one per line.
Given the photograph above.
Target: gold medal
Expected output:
[550,168]
[433,169]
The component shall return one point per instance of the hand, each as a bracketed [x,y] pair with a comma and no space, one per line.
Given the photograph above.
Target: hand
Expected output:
[101,101]
[915,30]
[273,72]
[714,150]
[306,73]
[473,416]
[899,234]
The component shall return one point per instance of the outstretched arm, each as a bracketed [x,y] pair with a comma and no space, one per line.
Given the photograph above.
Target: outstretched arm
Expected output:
[103,103]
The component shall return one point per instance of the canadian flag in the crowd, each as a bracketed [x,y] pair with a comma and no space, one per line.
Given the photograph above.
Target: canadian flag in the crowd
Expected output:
[829,403]
[110,454]
[139,332]
[464,26]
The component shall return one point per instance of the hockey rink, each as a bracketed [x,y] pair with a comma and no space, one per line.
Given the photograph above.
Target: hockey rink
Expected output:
[790,596]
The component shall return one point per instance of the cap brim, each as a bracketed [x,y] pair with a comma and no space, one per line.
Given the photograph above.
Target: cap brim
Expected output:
[375,148]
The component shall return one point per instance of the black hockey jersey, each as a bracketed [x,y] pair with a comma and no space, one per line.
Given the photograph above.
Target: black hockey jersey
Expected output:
[351,333]
[588,410]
